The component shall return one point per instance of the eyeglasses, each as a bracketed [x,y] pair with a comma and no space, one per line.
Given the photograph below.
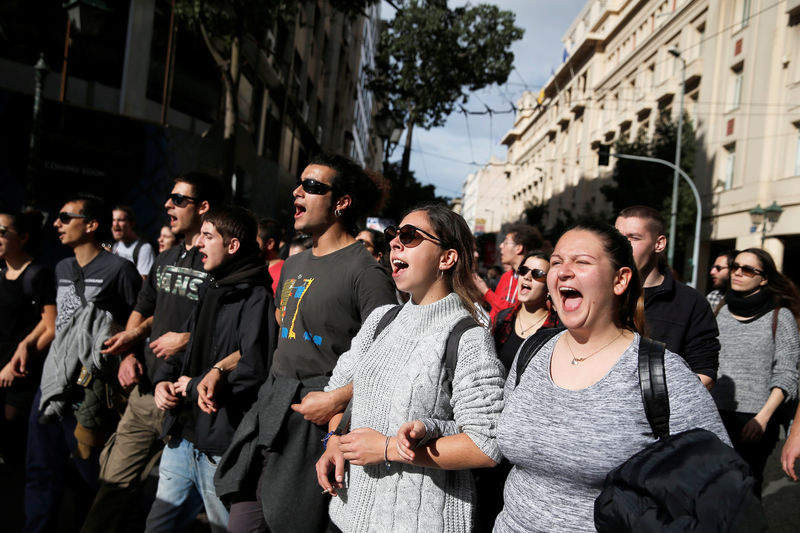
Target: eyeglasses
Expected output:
[718,268]
[65,217]
[408,235]
[368,245]
[312,186]
[4,230]
[181,200]
[747,270]
[536,273]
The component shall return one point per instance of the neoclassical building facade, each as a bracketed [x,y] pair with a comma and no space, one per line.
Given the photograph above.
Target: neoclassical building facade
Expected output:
[625,65]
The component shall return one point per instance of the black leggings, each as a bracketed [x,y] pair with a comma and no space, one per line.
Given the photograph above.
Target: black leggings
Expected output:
[755,453]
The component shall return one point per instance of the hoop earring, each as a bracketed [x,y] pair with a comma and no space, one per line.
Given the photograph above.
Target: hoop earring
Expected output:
[338,212]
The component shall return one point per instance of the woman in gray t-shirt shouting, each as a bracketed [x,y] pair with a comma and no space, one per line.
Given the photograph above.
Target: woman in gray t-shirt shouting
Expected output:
[577,411]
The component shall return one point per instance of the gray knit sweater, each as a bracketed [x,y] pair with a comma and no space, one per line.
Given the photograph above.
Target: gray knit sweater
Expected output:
[752,362]
[399,378]
[563,442]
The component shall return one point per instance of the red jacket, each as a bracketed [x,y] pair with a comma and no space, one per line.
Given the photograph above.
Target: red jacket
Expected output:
[505,295]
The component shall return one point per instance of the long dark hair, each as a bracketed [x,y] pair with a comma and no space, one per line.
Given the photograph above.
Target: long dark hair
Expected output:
[783,290]
[455,234]
[619,252]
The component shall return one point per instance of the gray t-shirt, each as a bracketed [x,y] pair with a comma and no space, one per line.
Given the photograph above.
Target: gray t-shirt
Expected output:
[144,258]
[108,281]
[563,442]
[323,301]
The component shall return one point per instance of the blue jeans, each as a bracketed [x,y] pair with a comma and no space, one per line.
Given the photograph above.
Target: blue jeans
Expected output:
[185,486]
[51,447]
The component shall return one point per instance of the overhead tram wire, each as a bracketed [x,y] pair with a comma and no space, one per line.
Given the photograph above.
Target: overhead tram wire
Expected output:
[590,155]
[469,135]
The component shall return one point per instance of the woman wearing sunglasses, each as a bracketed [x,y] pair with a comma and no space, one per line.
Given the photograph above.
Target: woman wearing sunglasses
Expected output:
[758,355]
[531,312]
[27,325]
[403,474]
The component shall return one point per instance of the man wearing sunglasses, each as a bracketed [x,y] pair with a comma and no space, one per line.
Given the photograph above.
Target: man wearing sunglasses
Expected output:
[520,239]
[676,314]
[720,277]
[155,331]
[91,280]
[324,294]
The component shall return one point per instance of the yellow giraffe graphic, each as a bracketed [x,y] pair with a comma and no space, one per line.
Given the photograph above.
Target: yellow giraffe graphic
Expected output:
[306,284]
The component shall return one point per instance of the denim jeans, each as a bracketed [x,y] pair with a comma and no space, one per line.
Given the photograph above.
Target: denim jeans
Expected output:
[185,486]
[51,447]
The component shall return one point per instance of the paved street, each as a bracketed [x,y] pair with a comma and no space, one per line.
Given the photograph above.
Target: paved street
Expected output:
[781,502]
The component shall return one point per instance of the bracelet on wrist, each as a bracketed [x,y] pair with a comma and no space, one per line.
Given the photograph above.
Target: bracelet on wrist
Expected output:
[386,454]
[217,367]
[327,437]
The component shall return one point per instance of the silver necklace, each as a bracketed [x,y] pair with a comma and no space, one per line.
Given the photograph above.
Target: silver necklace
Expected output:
[522,330]
[578,360]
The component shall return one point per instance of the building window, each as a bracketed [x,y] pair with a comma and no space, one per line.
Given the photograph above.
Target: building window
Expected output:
[736,89]
[797,152]
[730,164]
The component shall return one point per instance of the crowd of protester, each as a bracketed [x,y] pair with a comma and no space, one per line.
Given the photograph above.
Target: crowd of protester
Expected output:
[355,380]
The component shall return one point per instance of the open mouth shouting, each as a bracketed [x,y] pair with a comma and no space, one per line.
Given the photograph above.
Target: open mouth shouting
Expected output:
[398,266]
[298,210]
[571,298]
[524,288]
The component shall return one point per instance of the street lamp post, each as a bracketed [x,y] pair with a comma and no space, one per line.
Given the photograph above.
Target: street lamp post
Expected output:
[699,205]
[762,217]
[34,147]
[673,215]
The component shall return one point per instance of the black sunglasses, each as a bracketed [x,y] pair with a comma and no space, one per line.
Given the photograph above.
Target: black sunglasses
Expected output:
[719,268]
[65,216]
[536,273]
[408,235]
[747,270]
[4,230]
[181,200]
[312,186]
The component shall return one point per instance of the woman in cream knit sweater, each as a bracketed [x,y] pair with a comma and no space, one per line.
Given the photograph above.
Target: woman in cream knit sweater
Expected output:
[404,473]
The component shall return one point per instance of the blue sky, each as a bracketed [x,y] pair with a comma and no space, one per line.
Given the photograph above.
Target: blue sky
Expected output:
[443,156]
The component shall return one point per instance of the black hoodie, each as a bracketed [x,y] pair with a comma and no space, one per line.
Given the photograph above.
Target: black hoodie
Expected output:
[235,312]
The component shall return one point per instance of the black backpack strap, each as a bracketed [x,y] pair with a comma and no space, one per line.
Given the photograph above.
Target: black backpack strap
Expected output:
[653,382]
[531,346]
[136,249]
[451,348]
[386,319]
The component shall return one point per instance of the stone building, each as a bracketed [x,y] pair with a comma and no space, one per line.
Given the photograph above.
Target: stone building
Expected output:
[741,90]
[139,99]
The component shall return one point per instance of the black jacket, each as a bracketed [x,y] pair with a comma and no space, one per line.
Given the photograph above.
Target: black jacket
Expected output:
[681,318]
[244,321]
[691,481]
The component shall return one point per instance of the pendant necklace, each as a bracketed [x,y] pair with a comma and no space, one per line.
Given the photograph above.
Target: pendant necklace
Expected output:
[523,330]
[578,360]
